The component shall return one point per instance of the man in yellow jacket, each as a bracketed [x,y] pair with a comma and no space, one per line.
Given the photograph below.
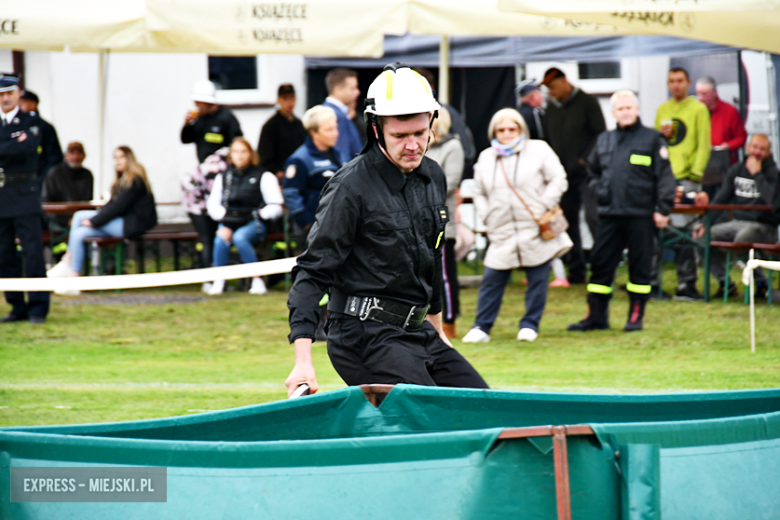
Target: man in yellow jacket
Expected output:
[685,123]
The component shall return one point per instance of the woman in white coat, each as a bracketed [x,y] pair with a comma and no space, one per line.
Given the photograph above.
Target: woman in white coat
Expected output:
[537,176]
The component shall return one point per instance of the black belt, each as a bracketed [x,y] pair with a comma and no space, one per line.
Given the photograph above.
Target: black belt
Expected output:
[378,309]
[7,178]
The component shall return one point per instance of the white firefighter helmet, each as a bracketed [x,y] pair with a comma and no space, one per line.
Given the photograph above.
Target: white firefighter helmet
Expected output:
[204,91]
[399,90]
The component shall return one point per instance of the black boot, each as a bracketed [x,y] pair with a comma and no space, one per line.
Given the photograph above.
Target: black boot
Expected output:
[598,314]
[636,311]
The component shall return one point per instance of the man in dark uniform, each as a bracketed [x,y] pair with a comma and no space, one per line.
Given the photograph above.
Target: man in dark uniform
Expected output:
[50,151]
[376,247]
[20,203]
[573,120]
[211,126]
[282,134]
[632,179]
[311,167]
[531,102]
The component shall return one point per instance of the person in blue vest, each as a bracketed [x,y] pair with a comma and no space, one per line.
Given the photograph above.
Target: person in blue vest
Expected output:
[310,167]
[20,203]
[343,91]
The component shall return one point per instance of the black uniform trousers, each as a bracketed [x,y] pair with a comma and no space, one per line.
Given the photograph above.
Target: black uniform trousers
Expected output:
[367,352]
[28,229]
[613,235]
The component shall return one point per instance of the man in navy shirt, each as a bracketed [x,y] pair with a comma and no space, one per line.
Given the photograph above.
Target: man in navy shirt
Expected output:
[343,91]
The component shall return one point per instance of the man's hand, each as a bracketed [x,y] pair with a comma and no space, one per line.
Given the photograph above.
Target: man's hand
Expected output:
[701,199]
[753,165]
[661,221]
[698,231]
[435,320]
[86,223]
[666,131]
[303,371]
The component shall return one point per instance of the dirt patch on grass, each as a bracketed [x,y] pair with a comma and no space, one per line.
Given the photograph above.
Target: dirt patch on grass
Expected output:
[132,299]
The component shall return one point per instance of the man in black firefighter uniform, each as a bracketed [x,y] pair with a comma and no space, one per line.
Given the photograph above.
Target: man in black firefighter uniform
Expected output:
[20,203]
[631,178]
[211,126]
[376,247]
[50,151]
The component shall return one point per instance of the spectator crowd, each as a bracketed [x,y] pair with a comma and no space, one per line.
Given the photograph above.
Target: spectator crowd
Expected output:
[550,161]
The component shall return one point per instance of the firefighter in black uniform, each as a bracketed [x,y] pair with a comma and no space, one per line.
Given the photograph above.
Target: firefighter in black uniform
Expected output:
[20,203]
[630,175]
[211,126]
[50,151]
[376,247]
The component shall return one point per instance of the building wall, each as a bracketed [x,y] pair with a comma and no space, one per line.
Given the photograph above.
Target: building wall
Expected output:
[147,96]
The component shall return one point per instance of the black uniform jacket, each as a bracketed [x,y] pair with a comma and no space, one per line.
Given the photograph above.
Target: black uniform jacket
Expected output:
[136,204]
[50,151]
[211,132]
[571,128]
[19,198]
[279,138]
[377,232]
[629,173]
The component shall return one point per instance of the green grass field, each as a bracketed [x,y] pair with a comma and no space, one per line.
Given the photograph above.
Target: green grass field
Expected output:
[102,357]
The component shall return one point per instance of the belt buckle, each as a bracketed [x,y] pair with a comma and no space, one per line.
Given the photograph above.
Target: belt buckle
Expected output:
[409,316]
[2,180]
[369,304]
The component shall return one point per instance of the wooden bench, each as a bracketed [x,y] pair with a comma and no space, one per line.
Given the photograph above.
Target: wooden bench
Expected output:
[155,236]
[772,250]
[175,237]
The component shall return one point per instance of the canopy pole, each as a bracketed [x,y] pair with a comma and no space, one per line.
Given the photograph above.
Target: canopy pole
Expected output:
[772,86]
[444,70]
[102,58]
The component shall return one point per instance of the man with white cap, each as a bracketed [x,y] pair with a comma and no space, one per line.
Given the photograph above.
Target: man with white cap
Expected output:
[20,202]
[211,126]
[376,249]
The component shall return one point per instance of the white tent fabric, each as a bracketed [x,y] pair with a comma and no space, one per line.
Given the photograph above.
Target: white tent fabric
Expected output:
[750,24]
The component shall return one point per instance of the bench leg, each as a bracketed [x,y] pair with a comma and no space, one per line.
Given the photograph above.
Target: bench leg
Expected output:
[118,258]
[175,254]
[141,254]
[157,259]
[726,282]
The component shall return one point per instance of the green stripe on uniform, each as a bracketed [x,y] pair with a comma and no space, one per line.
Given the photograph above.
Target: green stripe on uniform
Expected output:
[638,289]
[640,160]
[599,289]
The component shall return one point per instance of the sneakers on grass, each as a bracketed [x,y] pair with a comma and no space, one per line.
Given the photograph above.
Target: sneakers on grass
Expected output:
[688,293]
[527,334]
[258,286]
[476,335]
[217,287]
[61,270]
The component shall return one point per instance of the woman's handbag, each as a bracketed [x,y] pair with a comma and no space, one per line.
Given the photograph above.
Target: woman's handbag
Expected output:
[552,223]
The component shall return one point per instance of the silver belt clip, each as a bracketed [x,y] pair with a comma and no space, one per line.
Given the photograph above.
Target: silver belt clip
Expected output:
[369,304]
[409,316]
